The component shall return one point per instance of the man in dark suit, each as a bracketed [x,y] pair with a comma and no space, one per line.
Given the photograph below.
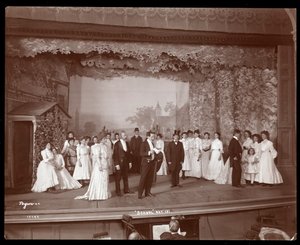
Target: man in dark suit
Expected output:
[135,146]
[147,153]
[122,162]
[235,154]
[175,157]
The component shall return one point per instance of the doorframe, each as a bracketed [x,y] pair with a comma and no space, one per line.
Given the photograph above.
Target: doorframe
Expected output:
[9,142]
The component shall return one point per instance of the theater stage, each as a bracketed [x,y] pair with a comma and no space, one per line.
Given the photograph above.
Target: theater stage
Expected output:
[196,198]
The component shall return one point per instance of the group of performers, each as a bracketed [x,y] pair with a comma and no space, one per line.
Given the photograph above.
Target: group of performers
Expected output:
[90,161]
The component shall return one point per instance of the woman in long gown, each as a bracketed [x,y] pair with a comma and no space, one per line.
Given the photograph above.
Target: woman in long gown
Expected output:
[94,151]
[206,144]
[186,166]
[99,184]
[160,146]
[46,174]
[66,181]
[83,166]
[267,171]
[246,146]
[195,147]
[216,159]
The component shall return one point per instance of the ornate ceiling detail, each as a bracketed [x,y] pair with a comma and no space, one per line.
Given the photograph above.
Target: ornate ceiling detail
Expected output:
[235,20]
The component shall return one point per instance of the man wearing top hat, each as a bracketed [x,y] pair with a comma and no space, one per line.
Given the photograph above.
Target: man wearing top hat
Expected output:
[135,146]
[175,158]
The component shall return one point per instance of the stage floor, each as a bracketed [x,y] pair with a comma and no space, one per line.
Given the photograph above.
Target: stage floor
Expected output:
[196,196]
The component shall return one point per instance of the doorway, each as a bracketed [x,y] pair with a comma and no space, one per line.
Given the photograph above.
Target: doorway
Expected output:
[22,153]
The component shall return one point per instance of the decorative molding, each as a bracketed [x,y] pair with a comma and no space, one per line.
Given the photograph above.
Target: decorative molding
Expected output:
[248,20]
[53,29]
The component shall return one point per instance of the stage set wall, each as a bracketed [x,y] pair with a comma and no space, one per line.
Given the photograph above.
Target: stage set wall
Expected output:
[221,97]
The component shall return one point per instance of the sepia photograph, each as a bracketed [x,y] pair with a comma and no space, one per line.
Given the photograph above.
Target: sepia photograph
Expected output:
[150,123]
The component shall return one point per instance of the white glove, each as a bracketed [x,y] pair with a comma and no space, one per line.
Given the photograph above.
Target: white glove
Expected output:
[130,165]
[118,167]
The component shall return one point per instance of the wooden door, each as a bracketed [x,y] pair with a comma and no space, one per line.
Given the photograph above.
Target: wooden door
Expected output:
[22,153]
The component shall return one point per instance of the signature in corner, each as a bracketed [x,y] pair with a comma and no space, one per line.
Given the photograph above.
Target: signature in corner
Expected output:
[25,204]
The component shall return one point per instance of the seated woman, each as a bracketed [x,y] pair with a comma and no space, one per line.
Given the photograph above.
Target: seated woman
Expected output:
[66,181]
[46,174]
[98,187]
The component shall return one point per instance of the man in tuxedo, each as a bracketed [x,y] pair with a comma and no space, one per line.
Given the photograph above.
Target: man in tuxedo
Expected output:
[135,146]
[147,153]
[122,162]
[235,154]
[175,158]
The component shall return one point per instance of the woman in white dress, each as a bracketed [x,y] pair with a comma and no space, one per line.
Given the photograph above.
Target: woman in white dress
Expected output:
[94,151]
[83,166]
[246,146]
[206,145]
[99,185]
[160,146]
[268,173]
[216,158]
[46,174]
[195,156]
[66,181]
[186,166]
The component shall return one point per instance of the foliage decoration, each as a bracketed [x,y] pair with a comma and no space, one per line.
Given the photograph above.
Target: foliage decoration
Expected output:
[51,127]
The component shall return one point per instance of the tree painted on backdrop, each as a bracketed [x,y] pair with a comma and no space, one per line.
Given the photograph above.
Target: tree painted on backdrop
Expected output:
[144,117]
